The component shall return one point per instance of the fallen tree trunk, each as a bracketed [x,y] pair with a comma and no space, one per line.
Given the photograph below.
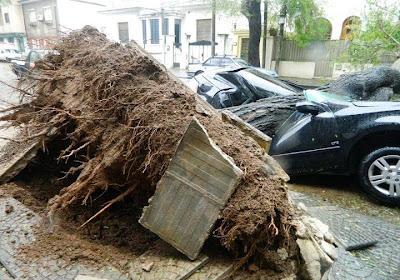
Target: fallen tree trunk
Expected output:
[268,114]
[374,84]
[365,84]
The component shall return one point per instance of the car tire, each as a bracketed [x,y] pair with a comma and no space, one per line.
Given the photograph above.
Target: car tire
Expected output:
[379,175]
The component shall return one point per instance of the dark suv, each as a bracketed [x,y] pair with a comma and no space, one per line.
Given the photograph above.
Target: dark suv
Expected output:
[334,134]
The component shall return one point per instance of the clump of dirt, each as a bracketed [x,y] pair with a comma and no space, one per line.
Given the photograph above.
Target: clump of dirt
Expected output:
[122,116]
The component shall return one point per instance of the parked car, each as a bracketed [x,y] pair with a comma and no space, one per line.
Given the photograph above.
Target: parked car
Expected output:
[20,68]
[218,62]
[7,54]
[224,88]
[334,134]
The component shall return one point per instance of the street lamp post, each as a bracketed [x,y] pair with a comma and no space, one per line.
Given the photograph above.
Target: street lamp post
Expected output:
[281,22]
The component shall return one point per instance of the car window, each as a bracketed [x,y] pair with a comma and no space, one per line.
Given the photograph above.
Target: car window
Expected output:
[241,62]
[264,85]
[225,62]
[34,56]
[214,61]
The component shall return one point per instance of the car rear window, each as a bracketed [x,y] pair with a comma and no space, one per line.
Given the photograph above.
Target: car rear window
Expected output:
[225,62]
[241,62]
[212,62]
[264,84]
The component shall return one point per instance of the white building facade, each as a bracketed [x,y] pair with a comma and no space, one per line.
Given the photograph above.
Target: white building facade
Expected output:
[175,32]
[12,28]
[47,20]
[178,32]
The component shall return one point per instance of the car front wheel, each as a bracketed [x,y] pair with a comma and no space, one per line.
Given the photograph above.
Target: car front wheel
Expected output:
[379,175]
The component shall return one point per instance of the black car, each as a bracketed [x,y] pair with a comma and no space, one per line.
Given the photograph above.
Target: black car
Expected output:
[224,88]
[334,134]
[21,68]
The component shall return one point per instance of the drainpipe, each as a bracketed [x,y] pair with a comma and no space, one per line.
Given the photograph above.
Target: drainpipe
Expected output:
[265,33]
[213,28]
[282,20]
[163,35]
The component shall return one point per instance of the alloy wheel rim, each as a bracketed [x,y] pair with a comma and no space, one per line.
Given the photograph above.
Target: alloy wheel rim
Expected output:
[384,175]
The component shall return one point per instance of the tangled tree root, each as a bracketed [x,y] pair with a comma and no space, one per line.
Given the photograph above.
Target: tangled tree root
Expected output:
[125,116]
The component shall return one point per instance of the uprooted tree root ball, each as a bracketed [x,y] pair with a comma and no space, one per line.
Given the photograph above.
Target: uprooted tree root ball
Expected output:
[123,116]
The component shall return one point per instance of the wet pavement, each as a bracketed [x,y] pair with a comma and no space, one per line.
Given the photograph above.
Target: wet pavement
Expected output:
[17,229]
[343,191]
[8,97]
[353,219]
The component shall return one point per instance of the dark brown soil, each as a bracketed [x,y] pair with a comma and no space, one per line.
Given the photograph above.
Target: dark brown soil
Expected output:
[121,117]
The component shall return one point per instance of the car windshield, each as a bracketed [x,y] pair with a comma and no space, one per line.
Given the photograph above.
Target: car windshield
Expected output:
[326,97]
[241,62]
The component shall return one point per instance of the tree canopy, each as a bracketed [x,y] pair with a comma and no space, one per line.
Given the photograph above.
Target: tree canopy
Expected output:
[305,21]
[378,36]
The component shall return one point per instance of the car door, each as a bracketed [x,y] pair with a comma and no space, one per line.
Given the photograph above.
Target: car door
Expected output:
[307,143]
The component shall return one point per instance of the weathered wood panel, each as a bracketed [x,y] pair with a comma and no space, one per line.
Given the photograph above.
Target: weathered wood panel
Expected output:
[197,184]
[15,157]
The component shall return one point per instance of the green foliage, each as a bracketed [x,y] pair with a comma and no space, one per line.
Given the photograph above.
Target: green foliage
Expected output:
[5,2]
[230,7]
[306,22]
[379,35]
[304,17]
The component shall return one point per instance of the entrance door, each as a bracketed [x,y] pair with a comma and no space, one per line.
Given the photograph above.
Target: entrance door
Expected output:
[244,50]
[177,50]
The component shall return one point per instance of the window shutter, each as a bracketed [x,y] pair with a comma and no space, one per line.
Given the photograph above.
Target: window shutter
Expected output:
[203,31]
[123,31]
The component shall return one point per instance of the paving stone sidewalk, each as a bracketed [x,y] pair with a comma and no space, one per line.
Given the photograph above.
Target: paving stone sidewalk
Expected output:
[17,229]
[351,227]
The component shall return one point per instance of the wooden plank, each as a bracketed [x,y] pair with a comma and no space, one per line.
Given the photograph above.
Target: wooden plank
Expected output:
[18,153]
[15,157]
[189,197]
[218,267]
[263,140]
[164,262]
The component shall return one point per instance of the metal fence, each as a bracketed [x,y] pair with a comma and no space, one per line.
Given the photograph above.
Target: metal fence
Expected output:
[323,53]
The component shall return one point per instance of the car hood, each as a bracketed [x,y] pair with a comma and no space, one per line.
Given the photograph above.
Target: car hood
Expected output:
[376,104]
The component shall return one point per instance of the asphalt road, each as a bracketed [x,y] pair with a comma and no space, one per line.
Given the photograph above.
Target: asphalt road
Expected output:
[8,97]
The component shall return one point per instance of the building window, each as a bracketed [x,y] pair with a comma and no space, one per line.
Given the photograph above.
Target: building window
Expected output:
[1,40]
[11,40]
[155,31]
[165,28]
[203,31]
[144,31]
[32,17]
[48,14]
[349,25]
[6,18]
[178,32]
[123,31]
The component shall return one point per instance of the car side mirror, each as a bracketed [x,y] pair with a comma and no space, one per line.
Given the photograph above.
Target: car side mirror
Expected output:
[307,107]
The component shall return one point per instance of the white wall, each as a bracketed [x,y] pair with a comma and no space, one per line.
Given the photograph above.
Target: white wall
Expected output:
[296,69]
[74,14]
[109,24]
[16,18]
[337,11]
